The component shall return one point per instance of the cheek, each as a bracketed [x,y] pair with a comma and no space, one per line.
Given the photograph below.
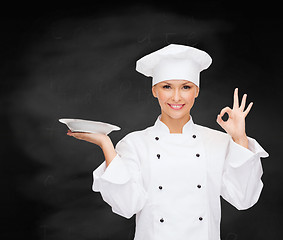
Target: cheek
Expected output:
[190,98]
[163,97]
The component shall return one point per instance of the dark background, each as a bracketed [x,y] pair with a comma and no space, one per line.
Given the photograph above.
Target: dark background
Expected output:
[78,61]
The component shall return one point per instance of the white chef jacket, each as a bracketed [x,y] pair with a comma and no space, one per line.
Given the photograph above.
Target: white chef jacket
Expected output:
[173,182]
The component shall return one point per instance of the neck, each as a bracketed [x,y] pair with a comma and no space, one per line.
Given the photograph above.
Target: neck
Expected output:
[174,125]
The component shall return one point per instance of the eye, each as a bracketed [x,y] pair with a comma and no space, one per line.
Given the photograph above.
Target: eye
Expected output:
[166,87]
[187,87]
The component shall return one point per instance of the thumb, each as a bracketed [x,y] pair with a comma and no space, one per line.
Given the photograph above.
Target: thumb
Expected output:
[220,121]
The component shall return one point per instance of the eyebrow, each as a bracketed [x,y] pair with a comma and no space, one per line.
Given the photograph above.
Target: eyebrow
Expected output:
[166,83]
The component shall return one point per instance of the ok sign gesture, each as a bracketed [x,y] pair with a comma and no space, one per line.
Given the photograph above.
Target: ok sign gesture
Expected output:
[235,125]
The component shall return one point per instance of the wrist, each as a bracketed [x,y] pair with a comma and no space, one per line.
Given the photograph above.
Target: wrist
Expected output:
[242,140]
[105,141]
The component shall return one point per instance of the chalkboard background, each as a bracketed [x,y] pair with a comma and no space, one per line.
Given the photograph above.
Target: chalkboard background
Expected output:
[78,61]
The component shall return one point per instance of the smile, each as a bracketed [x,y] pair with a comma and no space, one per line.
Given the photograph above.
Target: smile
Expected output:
[176,106]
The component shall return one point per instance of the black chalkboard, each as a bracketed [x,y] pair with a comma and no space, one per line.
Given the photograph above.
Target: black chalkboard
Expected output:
[79,62]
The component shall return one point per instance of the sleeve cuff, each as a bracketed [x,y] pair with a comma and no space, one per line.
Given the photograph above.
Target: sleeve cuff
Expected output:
[238,155]
[116,173]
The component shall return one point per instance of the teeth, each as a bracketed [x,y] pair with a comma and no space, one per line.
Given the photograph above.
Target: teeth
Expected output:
[176,106]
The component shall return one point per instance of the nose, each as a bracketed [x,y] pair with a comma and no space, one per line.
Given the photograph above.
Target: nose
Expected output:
[176,95]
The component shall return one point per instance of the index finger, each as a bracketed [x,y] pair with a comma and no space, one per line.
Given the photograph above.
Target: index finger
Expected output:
[236,99]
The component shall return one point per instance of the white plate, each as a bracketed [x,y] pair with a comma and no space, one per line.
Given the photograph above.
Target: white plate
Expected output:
[80,125]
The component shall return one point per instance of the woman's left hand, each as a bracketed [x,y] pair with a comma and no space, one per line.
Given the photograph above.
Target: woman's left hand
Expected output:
[235,125]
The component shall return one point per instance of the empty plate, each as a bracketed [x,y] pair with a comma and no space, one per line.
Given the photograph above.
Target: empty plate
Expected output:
[80,125]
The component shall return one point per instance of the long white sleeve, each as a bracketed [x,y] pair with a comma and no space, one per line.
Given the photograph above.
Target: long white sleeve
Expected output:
[120,184]
[241,182]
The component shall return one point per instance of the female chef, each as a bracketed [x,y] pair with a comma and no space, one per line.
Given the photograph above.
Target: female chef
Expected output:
[171,175]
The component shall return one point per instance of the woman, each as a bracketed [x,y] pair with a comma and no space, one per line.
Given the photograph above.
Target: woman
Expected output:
[171,175]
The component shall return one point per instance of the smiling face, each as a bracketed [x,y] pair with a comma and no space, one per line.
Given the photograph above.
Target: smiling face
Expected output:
[176,98]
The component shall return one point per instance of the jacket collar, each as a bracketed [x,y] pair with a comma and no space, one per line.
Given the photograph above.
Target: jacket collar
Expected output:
[162,127]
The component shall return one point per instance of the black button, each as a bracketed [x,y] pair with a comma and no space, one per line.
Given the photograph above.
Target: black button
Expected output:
[160,187]
[158,156]
[157,138]
[197,155]
[200,218]
[199,186]
[161,220]
[194,136]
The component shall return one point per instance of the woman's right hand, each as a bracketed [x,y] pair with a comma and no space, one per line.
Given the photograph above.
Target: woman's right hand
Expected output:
[96,138]
[102,140]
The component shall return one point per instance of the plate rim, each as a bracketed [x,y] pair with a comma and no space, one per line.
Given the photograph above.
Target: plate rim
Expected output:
[66,121]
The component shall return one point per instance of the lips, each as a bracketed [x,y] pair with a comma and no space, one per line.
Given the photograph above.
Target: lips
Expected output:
[176,106]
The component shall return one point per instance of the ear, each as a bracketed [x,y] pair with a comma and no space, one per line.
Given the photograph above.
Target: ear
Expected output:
[197,91]
[154,91]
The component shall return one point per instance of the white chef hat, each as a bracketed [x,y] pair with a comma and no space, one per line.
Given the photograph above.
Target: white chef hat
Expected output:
[174,62]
